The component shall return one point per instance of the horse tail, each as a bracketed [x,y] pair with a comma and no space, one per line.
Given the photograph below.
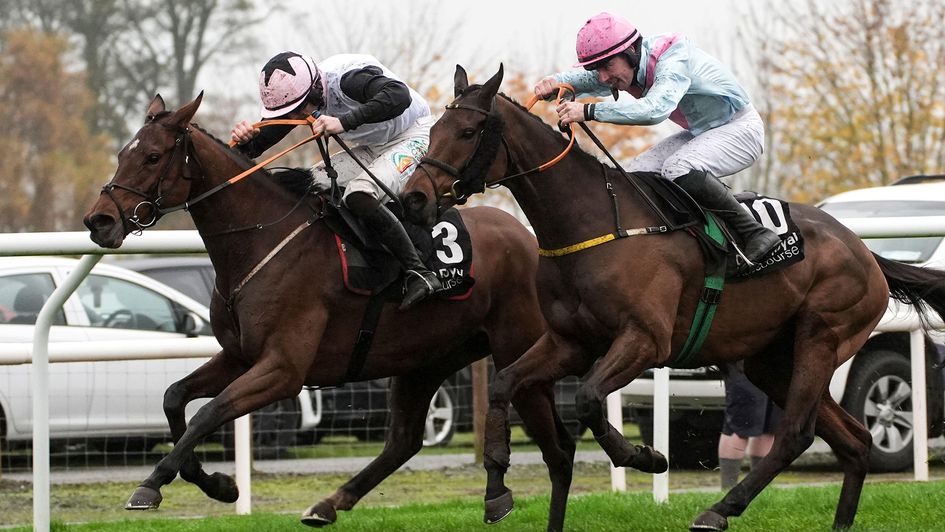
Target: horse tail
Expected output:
[923,288]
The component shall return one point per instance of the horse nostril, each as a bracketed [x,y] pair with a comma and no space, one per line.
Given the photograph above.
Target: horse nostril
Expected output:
[98,222]
[415,201]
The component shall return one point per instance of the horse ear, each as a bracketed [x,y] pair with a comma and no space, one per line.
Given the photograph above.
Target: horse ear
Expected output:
[156,106]
[491,87]
[183,115]
[460,81]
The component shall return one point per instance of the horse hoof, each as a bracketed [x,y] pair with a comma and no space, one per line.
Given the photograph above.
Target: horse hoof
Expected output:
[319,514]
[709,520]
[144,498]
[497,509]
[222,487]
[649,460]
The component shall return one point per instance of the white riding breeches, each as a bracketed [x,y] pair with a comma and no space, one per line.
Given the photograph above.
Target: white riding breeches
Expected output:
[719,152]
[391,163]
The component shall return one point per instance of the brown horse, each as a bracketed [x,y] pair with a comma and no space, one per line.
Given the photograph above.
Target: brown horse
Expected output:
[627,305]
[284,318]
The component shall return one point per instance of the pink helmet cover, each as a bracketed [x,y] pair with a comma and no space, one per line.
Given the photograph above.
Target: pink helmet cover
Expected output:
[603,36]
[284,83]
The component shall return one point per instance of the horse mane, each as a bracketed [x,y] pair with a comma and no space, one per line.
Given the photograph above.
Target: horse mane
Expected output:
[296,181]
[563,141]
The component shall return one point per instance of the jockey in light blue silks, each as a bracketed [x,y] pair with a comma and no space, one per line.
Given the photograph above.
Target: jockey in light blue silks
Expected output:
[669,77]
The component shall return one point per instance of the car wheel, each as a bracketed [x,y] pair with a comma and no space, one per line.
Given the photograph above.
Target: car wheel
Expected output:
[879,395]
[274,429]
[440,426]
[693,438]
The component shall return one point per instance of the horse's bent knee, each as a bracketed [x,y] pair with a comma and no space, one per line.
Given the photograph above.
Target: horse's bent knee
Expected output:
[589,408]
[174,397]
[502,388]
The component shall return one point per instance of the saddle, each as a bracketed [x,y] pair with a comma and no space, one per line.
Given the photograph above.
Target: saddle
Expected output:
[773,213]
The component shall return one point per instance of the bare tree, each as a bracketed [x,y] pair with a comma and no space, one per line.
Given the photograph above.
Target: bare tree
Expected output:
[424,52]
[855,92]
[132,49]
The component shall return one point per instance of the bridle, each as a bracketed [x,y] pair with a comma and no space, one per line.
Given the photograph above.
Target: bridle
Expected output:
[152,198]
[490,136]
[183,140]
[482,156]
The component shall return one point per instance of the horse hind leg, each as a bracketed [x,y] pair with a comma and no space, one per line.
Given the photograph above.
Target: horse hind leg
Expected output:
[410,397]
[851,442]
[810,370]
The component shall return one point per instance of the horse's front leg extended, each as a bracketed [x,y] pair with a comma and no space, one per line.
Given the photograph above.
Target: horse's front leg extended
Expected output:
[633,351]
[550,359]
[266,382]
[206,381]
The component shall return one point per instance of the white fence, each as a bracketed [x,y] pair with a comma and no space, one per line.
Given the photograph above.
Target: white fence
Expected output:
[78,243]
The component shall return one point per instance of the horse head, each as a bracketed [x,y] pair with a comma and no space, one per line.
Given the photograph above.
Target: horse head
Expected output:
[154,170]
[464,144]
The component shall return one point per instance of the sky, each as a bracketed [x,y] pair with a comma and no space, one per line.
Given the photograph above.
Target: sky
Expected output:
[525,36]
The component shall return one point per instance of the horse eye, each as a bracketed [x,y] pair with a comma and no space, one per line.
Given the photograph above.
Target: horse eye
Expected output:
[468,133]
[152,158]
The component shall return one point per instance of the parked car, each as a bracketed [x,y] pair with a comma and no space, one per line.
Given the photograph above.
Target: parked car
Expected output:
[874,386]
[360,408]
[114,403]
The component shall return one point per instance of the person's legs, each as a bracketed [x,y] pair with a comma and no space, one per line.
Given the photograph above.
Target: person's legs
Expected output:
[391,164]
[757,240]
[695,163]
[421,282]
[653,158]
[731,453]
[759,447]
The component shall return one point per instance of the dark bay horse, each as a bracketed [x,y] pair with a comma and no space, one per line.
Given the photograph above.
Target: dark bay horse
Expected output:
[284,318]
[622,307]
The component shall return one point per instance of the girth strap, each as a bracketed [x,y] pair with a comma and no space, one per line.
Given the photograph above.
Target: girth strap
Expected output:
[708,302]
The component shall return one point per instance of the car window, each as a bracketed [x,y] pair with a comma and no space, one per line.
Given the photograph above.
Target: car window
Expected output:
[883,209]
[910,250]
[186,280]
[117,303]
[22,297]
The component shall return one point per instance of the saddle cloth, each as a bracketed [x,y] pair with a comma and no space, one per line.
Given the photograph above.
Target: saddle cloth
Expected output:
[445,248]
[774,214]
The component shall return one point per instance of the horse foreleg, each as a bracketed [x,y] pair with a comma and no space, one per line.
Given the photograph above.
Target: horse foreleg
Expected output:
[548,360]
[206,381]
[632,352]
[410,397]
[264,383]
[536,406]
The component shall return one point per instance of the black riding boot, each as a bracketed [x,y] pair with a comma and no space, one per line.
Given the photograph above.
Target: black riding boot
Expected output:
[757,240]
[421,282]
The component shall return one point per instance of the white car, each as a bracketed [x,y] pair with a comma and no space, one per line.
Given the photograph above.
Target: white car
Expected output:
[874,386]
[112,401]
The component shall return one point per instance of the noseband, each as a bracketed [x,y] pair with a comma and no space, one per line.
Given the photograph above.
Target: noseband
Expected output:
[183,143]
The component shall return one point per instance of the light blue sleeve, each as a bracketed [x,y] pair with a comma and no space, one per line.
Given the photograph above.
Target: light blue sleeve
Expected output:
[584,82]
[670,84]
